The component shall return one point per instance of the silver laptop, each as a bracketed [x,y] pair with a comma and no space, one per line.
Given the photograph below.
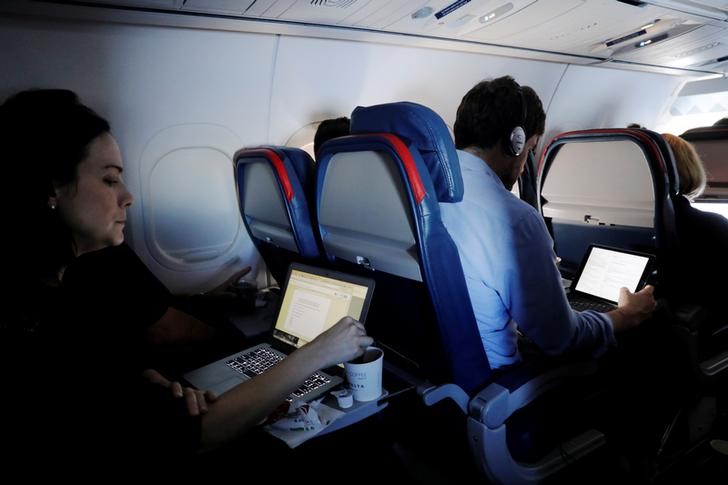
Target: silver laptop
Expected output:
[603,271]
[313,300]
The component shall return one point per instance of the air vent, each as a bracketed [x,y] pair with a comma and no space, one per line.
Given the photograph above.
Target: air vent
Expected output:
[333,3]
[632,35]
[422,13]
[719,60]
[645,36]
[625,38]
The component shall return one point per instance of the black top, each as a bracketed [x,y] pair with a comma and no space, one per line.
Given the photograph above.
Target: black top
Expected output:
[74,363]
[703,263]
[115,298]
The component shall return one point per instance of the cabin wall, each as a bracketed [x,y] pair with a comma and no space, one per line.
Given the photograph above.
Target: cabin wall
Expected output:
[178,98]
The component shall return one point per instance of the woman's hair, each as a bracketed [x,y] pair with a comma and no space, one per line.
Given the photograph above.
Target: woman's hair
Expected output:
[44,135]
[689,166]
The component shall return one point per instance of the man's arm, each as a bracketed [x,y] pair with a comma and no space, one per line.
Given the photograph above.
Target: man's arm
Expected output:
[538,300]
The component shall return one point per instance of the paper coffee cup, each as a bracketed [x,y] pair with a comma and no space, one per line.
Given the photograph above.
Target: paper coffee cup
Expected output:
[365,374]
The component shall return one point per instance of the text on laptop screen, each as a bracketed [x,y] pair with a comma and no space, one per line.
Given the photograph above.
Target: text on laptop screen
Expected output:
[313,303]
[605,272]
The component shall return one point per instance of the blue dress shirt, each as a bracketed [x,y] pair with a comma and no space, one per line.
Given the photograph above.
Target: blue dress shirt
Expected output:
[510,269]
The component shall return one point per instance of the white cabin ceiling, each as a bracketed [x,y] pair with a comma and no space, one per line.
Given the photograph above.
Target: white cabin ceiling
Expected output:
[690,35]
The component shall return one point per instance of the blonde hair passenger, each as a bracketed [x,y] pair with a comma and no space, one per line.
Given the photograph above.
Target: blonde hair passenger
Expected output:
[689,166]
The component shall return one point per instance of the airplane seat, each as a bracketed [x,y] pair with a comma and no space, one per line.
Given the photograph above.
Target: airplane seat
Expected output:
[274,185]
[617,187]
[711,143]
[377,200]
[700,324]
[606,186]
[378,192]
[703,330]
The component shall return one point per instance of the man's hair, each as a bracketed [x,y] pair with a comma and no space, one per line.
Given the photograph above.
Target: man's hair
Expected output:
[689,166]
[328,129]
[492,108]
[721,123]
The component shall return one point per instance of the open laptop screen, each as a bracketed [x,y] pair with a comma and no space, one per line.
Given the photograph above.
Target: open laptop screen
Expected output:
[605,270]
[314,300]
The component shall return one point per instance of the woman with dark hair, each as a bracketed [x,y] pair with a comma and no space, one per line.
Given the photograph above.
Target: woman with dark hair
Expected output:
[73,342]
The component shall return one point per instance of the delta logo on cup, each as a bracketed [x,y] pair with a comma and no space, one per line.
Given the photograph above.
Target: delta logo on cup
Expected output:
[365,374]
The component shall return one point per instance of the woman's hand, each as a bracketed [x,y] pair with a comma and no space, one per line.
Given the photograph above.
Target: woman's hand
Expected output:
[343,342]
[196,401]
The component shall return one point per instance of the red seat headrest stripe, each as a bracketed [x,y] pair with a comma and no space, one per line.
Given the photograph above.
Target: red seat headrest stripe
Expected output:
[418,190]
[279,167]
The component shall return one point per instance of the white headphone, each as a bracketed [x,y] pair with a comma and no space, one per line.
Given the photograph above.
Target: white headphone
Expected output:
[517,135]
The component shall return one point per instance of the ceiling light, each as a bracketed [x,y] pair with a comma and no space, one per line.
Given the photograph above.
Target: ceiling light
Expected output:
[506,7]
[654,39]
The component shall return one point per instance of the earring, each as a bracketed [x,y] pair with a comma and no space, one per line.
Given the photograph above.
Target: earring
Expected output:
[52,205]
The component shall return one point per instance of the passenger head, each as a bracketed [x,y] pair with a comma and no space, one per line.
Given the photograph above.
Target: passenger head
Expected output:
[635,125]
[721,123]
[488,117]
[328,129]
[66,169]
[689,166]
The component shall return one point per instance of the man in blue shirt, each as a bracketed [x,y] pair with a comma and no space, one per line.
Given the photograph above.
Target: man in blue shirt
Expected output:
[505,249]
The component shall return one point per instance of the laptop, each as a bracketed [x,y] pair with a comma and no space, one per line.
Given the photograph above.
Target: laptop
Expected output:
[602,272]
[313,300]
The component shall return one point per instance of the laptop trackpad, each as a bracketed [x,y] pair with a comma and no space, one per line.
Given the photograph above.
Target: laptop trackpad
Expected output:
[223,386]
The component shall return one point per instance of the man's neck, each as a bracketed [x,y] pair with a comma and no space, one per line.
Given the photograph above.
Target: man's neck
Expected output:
[494,158]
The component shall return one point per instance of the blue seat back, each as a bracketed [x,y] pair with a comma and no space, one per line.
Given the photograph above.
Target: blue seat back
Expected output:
[377,202]
[273,185]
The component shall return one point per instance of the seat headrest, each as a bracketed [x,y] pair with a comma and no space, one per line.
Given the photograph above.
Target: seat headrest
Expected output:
[706,133]
[300,160]
[423,130]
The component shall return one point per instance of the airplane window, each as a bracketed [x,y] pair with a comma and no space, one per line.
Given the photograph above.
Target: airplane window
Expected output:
[199,189]
[700,103]
[191,214]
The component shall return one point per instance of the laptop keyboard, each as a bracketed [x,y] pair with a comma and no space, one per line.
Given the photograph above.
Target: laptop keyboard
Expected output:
[259,359]
[582,305]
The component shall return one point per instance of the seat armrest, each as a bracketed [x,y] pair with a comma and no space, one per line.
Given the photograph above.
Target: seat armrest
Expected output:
[434,394]
[694,323]
[492,406]
[430,393]
[500,399]
[715,365]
